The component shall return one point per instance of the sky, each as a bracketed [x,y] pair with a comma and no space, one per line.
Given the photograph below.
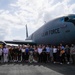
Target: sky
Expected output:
[15,14]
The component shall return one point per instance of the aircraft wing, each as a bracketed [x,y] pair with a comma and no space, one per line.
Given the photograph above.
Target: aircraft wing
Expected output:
[21,42]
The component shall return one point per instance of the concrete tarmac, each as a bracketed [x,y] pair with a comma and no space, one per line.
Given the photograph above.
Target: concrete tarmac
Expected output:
[36,69]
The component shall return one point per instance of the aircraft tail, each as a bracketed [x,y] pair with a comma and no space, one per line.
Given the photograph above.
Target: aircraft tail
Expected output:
[26,31]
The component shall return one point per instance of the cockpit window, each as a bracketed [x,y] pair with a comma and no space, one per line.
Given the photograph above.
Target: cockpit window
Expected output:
[62,19]
[70,18]
[66,19]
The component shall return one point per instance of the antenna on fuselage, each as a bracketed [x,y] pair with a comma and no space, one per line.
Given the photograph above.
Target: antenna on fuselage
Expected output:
[45,21]
[26,31]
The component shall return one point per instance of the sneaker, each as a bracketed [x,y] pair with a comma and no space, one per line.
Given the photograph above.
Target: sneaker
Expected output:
[68,62]
[60,63]
[19,61]
[54,62]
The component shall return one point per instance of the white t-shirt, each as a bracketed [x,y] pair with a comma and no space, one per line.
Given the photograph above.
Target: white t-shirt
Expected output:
[39,50]
[23,50]
[54,50]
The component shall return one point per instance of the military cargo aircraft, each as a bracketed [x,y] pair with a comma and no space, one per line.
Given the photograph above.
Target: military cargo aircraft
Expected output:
[59,30]
[56,31]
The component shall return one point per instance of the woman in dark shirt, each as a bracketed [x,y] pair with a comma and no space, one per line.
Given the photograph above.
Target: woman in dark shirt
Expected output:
[67,52]
[58,54]
[19,54]
[44,55]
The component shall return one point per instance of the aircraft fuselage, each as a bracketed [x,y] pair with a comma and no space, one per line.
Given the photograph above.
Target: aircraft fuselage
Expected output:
[55,32]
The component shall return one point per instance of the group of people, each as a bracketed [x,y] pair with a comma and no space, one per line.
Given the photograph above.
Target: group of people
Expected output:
[38,54]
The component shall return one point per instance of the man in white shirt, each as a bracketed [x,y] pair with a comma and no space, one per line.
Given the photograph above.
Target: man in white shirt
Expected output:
[23,54]
[40,53]
[54,54]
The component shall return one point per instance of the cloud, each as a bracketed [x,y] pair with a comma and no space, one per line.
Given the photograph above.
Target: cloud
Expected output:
[17,13]
[70,2]
[72,8]
[5,4]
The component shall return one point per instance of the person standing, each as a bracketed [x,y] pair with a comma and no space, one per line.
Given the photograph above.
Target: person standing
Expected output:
[62,47]
[67,52]
[35,54]
[54,53]
[5,53]
[31,51]
[15,53]
[58,54]
[44,55]
[10,54]
[62,56]
[51,53]
[23,54]
[48,53]
[72,53]
[27,53]
[19,54]
[40,53]
[0,53]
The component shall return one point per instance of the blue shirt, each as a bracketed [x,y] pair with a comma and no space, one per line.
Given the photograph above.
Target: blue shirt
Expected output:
[27,50]
[62,47]
[47,49]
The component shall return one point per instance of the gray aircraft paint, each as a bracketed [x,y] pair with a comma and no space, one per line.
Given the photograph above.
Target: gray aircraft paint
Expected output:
[54,32]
